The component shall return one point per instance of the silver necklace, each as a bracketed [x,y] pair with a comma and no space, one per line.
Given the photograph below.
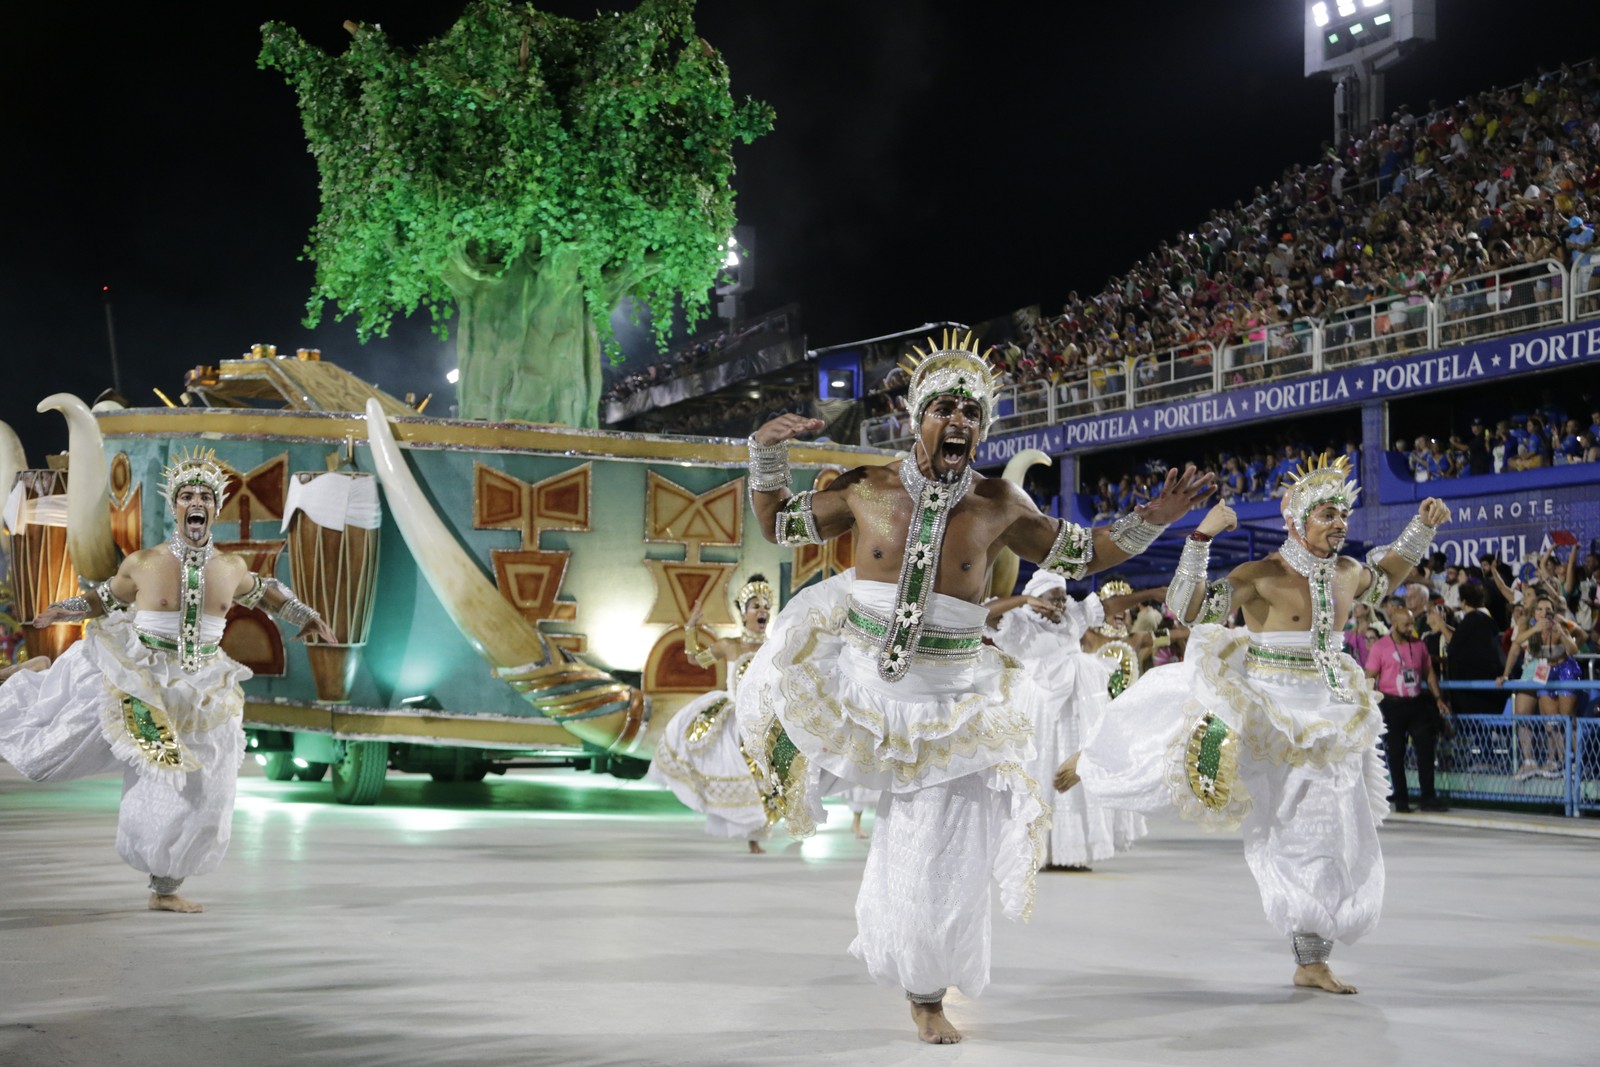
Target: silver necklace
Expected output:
[1319,573]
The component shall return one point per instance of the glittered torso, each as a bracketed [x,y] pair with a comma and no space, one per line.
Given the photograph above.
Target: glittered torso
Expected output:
[1284,597]
[159,576]
[882,510]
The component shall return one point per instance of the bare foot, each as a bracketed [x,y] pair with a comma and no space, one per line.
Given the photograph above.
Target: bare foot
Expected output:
[756,849]
[1067,774]
[32,663]
[932,1026]
[1320,976]
[855,828]
[173,902]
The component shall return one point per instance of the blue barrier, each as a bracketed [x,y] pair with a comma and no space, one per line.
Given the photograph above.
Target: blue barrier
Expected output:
[1586,762]
[1489,758]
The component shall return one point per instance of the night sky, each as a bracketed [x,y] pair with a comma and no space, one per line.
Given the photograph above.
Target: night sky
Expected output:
[930,161]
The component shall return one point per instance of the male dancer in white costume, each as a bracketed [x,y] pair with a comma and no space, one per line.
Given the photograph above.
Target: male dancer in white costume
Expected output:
[148,692]
[699,756]
[1273,727]
[879,677]
[1043,629]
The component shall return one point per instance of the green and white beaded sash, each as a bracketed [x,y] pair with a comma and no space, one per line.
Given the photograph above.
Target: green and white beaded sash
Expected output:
[192,599]
[919,568]
[1325,647]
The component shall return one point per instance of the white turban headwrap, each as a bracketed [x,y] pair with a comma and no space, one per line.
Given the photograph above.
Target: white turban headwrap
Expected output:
[1042,582]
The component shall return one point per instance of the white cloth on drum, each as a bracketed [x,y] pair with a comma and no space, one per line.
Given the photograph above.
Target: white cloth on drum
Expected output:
[700,759]
[947,744]
[1072,689]
[1310,788]
[334,500]
[69,722]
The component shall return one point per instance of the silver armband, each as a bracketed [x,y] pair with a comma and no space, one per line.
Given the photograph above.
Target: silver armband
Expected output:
[1133,534]
[1189,578]
[1072,551]
[1379,587]
[109,600]
[796,524]
[1414,541]
[253,597]
[1218,604]
[769,466]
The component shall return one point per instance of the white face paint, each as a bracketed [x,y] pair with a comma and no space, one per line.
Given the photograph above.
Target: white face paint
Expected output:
[1326,527]
[195,509]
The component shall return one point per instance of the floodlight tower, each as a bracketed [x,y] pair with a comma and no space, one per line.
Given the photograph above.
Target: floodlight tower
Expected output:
[1354,42]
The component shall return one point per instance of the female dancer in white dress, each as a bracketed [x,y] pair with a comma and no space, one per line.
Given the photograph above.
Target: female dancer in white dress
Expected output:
[1044,628]
[699,756]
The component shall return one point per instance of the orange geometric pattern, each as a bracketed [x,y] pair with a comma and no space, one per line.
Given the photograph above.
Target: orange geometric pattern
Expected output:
[680,586]
[530,577]
[675,515]
[257,495]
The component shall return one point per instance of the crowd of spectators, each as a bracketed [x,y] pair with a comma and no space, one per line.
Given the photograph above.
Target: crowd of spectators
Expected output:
[1524,440]
[723,415]
[1499,179]
[697,355]
[1252,474]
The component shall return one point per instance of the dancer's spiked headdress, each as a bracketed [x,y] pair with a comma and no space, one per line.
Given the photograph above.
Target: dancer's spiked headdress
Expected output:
[199,467]
[756,587]
[1115,587]
[1316,482]
[955,367]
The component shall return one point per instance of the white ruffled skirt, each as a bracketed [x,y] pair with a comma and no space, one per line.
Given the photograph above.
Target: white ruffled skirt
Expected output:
[1301,773]
[699,758]
[179,759]
[947,744]
[1083,829]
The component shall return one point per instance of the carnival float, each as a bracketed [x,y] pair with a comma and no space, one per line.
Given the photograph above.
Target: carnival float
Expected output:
[502,593]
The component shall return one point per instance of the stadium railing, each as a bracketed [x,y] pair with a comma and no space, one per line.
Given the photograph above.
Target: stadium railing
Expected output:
[1481,760]
[1492,304]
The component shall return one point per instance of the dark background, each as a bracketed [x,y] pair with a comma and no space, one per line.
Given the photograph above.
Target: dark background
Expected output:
[930,161]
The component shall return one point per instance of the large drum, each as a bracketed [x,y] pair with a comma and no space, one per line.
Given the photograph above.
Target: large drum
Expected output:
[35,521]
[332,520]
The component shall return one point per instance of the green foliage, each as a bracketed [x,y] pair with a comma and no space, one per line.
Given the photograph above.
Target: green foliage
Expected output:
[514,134]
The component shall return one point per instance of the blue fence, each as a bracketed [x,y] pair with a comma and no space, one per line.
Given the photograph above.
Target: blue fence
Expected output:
[1549,760]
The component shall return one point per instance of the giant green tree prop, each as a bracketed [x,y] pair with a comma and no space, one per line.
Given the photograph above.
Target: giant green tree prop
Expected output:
[529,170]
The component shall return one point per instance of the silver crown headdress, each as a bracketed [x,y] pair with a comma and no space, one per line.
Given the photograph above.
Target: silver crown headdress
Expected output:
[1318,481]
[954,368]
[199,467]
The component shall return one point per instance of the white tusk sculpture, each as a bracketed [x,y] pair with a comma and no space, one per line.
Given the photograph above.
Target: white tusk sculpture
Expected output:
[1003,576]
[588,702]
[89,540]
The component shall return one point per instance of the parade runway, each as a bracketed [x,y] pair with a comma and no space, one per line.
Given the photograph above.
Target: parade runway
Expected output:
[557,918]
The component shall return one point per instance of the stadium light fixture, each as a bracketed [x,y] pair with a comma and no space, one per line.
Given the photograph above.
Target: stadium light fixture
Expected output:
[1333,38]
[1381,20]
[1356,28]
[453,375]
[1319,12]
[1372,3]
[1347,8]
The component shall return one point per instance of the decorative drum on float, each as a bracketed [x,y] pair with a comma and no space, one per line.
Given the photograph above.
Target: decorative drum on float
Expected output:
[332,521]
[35,516]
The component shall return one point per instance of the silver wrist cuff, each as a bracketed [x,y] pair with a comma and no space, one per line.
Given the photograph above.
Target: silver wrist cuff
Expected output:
[925,998]
[1072,551]
[77,605]
[769,466]
[1133,534]
[1310,949]
[296,613]
[796,524]
[1414,541]
[1189,577]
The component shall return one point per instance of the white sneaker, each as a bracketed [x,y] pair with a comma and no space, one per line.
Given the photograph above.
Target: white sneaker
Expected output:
[1529,769]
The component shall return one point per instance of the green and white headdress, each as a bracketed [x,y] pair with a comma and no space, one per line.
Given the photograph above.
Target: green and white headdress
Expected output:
[199,467]
[954,368]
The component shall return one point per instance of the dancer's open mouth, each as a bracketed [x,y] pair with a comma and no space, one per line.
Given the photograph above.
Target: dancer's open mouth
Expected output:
[954,450]
[194,523]
[761,621]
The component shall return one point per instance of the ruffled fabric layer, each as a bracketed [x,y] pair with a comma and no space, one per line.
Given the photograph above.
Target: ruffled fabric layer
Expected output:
[700,759]
[938,723]
[71,722]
